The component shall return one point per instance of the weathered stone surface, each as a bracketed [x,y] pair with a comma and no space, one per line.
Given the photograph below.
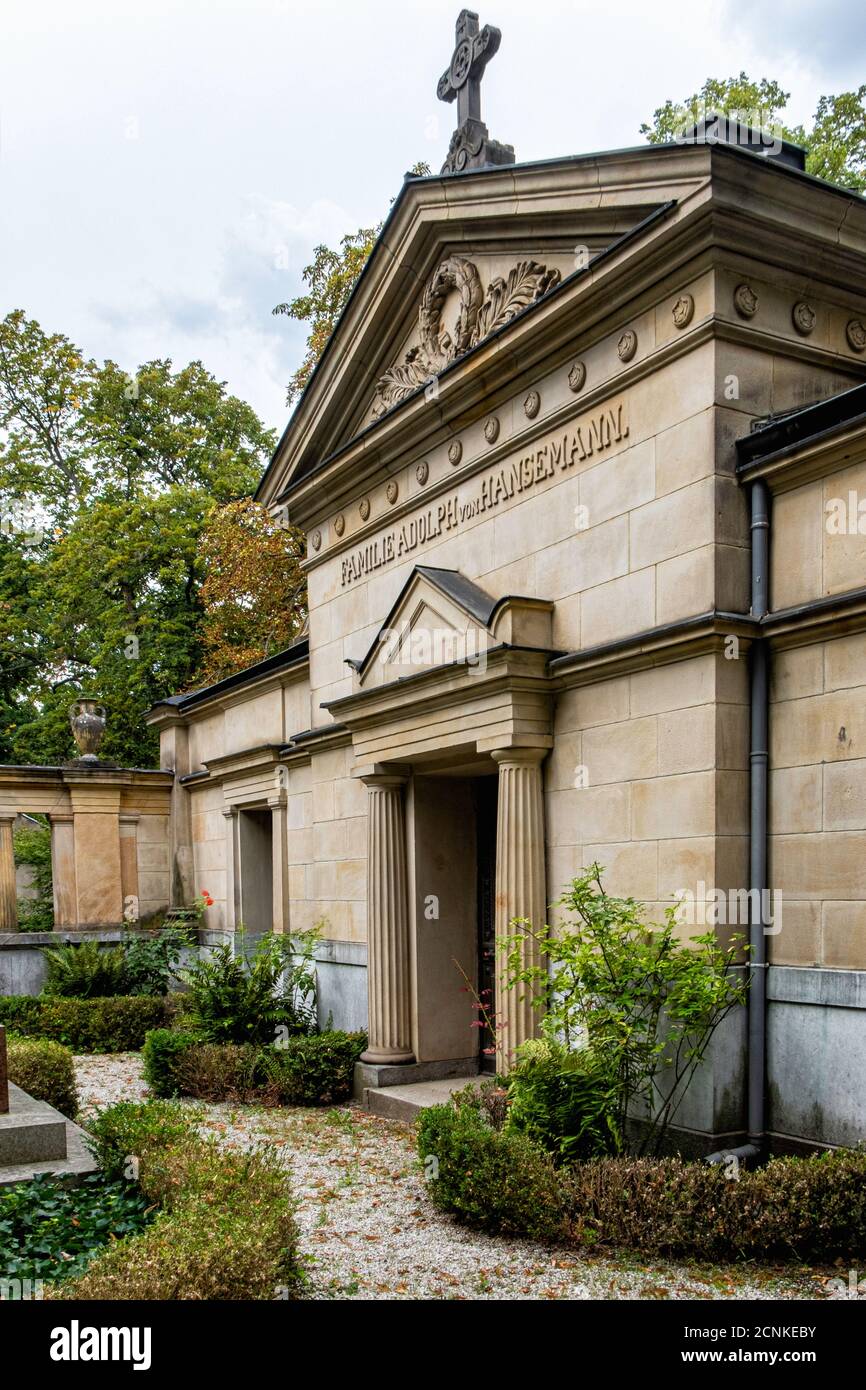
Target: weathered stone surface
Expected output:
[36,1139]
[4,1073]
[31,1131]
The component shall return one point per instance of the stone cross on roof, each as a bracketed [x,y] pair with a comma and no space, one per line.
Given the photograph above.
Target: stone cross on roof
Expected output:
[471,146]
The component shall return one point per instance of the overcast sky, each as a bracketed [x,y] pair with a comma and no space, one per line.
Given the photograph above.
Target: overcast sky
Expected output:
[167,166]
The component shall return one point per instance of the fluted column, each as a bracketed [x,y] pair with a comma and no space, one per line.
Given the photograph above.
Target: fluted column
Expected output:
[520,885]
[232,907]
[8,894]
[280,861]
[390,1026]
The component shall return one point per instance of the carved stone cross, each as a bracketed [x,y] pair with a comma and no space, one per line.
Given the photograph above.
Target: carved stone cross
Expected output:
[471,147]
[472,53]
[4,1074]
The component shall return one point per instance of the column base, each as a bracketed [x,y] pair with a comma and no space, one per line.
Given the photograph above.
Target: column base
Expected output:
[385,1057]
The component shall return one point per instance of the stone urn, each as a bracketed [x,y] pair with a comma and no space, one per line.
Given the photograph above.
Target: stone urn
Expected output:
[87,718]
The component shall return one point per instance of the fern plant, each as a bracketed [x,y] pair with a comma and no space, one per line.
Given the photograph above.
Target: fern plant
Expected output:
[257,992]
[88,971]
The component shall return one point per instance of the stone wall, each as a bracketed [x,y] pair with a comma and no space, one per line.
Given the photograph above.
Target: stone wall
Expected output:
[649,777]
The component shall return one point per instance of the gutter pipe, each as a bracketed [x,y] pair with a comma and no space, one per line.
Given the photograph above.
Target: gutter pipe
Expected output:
[756,1102]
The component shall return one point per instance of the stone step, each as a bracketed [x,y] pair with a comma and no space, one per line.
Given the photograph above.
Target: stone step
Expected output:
[405,1102]
[31,1131]
[35,1138]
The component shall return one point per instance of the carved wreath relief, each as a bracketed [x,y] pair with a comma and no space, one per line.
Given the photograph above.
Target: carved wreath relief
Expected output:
[683,311]
[804,318]
[479,315]
[856,334]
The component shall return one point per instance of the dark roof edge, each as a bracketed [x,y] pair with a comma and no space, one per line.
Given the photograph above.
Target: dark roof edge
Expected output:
[800,427]
[313,735]
[290,656]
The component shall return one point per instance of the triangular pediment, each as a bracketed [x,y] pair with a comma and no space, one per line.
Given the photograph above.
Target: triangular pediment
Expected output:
[437,619]
[441,618]
[459,260]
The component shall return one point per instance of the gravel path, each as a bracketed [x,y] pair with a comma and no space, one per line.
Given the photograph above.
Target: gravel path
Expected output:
[368,1230]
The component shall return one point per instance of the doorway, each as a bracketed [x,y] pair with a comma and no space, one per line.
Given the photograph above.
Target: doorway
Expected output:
[485,791]
[255,847]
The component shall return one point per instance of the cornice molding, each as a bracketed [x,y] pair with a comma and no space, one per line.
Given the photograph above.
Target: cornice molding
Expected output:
[659,646]
[796,464]
[168,716]
[442,687]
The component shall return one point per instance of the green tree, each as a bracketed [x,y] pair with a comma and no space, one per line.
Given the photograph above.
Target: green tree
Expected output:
[835,145]
[331,276]
[254,592]
[100,589]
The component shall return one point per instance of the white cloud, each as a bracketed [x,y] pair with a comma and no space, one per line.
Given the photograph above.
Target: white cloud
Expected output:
[167,168]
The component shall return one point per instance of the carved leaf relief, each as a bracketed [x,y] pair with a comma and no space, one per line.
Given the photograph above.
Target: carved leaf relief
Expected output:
[479,315]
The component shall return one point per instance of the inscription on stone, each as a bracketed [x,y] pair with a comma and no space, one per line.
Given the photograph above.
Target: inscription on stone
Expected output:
[556,454]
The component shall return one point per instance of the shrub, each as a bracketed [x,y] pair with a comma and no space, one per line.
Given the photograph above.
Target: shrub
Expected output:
[501,1183]
[20,1012]
[227,1228]
[317,1070]
[808,1209]
[45,1071]
[812,1208]
[150,961]
[644,1005]
[50,1230]
[220,1071]
[565,1101]
[132,1128]
[163,1048]
[87,971]
[252,994]
[86,1025]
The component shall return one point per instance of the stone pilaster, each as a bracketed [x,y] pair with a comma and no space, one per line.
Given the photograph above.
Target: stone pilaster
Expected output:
[232,861]
[8,895]
[280,860]
[390,1027]
[63,871]
[174,752]
[520,884]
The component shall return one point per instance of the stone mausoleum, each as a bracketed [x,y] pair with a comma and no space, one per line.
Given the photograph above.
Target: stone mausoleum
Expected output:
[583,476]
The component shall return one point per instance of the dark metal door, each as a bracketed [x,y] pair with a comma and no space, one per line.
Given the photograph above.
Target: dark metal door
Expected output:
[486,789]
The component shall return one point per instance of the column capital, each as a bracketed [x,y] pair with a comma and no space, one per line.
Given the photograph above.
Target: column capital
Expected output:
[530,757]
[395,778]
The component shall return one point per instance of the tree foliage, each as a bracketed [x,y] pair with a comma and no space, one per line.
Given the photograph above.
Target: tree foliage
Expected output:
[331,276]
[835,145]
[254,592]
[107,481]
